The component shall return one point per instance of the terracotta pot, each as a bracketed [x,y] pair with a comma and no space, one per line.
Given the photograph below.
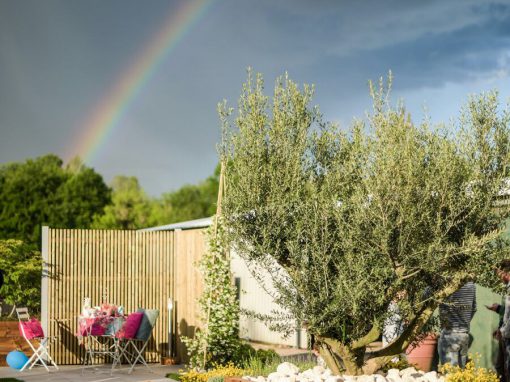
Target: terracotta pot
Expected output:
[169,361]
[423,354]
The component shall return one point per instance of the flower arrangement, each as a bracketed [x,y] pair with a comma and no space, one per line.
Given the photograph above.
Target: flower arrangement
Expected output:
[100,320]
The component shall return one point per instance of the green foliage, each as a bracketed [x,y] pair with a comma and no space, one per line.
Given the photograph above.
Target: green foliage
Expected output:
[217,378]
[260,365]
[219,307]
[83,196]
[130,207]
[41,192]
[400,363]
[174,376]
[21,266]
[188,202]
[264,364]
[346,221]
[216,371]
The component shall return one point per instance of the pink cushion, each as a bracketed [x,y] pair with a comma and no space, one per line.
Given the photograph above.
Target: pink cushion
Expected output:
[90,326]
[32,329]
[131,326]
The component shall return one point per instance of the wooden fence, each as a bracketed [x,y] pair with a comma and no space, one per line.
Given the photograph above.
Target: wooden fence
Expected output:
[129,268]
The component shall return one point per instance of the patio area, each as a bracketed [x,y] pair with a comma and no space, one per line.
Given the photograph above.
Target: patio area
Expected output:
[98,374]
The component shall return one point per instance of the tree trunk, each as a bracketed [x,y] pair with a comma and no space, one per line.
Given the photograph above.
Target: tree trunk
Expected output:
[352,358]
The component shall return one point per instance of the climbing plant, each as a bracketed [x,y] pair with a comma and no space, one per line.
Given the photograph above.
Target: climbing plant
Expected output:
[218,342]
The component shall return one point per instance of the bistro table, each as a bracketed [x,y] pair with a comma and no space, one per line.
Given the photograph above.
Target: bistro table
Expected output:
[98,335]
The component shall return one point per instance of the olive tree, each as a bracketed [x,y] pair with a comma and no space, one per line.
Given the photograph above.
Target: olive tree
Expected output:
[349,221]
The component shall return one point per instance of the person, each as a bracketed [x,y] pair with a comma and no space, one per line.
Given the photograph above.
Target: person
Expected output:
[455,316]
[394,324]
[500,361]
[503,333]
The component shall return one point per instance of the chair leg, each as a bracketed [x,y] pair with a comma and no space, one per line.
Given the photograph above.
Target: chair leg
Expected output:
[53,363]
[30,361]
[140,357]
[38,353]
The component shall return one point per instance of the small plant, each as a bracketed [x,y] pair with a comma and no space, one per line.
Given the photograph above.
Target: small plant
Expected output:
[174,376]
[229,370]
[217,378]
[471,373]
[266,362]
[256,366]
[400,364]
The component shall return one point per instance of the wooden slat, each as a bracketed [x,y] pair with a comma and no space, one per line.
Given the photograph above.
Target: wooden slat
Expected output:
[135,268]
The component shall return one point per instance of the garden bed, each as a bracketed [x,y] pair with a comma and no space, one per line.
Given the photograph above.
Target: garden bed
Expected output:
[10,340]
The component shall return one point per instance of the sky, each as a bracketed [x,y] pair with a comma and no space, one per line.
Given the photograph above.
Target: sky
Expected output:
[66,64]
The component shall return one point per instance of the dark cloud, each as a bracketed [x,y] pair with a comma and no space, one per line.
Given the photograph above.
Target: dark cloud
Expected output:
[58,59]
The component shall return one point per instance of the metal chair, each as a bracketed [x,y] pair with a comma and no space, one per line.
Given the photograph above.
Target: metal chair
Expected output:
[132,349]
[41,351]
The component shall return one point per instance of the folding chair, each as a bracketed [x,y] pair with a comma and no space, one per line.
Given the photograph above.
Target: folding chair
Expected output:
[31,329]
[139,342]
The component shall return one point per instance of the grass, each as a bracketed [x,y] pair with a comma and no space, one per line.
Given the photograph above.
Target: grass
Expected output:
[174,376]
[255,366]
[10,380]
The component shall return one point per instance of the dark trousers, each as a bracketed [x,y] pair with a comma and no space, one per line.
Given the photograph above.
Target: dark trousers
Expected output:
[500,362]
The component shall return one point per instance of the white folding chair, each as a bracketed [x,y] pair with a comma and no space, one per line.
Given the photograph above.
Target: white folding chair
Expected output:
[39,353]
[143,336]
[132,349]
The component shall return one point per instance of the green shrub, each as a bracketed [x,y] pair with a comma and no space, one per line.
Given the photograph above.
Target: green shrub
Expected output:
[400,364]
[22,267]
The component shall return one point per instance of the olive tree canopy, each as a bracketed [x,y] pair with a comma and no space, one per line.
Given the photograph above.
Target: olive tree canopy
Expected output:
[346,221]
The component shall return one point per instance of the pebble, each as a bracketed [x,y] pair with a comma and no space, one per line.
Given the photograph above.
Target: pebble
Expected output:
[288,372]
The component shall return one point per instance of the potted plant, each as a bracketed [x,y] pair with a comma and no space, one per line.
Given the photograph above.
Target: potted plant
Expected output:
[423,350]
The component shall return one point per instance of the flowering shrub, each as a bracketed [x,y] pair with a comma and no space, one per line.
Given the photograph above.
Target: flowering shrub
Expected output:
[218,342]
[471,373]
[228,370]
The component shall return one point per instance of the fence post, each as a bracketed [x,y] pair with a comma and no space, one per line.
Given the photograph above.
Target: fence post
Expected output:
[44,278]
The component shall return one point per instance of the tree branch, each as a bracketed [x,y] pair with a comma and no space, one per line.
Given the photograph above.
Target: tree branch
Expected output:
[371,336]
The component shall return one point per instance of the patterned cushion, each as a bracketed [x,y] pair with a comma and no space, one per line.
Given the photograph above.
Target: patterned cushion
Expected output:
[32,329]
[149,319]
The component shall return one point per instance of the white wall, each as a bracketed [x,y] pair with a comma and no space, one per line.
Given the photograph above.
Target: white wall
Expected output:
[255,298]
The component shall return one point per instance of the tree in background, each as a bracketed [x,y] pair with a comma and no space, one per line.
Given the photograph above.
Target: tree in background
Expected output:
[40,191]
[21,266]
[83,196]
[345,222]
[130,207]
[188,202]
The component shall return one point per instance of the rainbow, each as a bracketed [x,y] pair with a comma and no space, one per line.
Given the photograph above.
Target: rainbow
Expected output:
[97,128]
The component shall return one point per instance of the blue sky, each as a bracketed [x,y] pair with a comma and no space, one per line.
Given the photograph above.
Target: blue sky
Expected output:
[58,58]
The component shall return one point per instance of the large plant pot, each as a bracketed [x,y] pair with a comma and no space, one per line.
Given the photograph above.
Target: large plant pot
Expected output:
[422,355]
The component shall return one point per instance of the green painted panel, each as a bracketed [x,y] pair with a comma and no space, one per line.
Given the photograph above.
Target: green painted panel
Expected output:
[483,324]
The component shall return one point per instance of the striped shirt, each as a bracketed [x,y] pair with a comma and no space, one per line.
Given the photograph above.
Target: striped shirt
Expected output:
[457,310]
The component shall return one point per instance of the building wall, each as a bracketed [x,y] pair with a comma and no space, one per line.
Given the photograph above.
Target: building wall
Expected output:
[254,297]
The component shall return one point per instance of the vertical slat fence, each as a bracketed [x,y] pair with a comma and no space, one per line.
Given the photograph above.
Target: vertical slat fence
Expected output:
[133,269]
